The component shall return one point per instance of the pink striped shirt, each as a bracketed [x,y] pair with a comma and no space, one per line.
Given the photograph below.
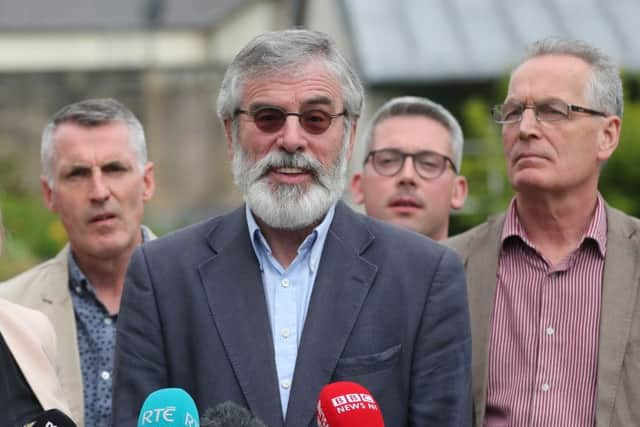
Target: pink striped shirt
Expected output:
[544,336]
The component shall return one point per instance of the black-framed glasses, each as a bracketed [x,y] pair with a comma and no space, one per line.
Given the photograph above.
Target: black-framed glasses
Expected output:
[427,164]
[547,111]
[272,119]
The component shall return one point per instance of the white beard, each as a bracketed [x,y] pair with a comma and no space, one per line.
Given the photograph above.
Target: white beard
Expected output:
[289,206]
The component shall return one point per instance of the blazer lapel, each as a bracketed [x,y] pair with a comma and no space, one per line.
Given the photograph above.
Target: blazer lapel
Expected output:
[55,302]
[342,283]
[481,266]
[233,284]
[619,289]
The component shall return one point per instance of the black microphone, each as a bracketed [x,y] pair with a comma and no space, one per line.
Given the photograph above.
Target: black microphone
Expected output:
[229,414]
[51,418]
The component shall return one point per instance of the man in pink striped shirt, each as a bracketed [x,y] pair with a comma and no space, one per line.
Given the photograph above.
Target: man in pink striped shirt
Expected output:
[553,282]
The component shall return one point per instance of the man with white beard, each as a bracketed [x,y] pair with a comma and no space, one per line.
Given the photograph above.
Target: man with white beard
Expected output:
[266,305]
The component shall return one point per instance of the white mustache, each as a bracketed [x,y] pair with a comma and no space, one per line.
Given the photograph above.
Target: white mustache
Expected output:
[281,159]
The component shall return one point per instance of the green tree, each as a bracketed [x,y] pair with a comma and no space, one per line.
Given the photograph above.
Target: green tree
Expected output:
[621,175]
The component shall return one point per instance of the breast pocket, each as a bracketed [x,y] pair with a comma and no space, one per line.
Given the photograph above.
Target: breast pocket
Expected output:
[367,364]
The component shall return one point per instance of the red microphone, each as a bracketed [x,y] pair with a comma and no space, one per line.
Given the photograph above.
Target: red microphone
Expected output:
[347,404]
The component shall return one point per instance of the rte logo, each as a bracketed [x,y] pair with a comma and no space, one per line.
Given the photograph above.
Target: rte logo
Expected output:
[166,415]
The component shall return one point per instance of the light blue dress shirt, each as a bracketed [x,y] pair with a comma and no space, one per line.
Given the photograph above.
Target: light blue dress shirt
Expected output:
[288,292]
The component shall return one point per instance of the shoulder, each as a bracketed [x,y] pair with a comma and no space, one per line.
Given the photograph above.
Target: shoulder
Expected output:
[620,222]
[183,235]
[190,234]
[31,322]
[52,272]
[402,238]
[407,267]
[461,241]
[480,235]
[191,244]
[383,243]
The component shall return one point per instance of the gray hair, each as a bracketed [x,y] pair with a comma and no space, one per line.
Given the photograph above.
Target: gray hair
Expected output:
[282,51]
[92,113]
[422,107]
[604,88]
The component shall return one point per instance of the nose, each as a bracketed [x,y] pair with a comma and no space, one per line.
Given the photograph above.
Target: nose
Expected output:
[529,126]
[407,173]
[99,191]
[292,138]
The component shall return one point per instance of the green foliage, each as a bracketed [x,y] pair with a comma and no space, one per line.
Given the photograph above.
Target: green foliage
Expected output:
[32,233]
[483,164]
[621,174]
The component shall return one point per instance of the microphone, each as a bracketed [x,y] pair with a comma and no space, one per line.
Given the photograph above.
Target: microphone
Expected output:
[229,414]
[52,418]
[347,404]
[169,407]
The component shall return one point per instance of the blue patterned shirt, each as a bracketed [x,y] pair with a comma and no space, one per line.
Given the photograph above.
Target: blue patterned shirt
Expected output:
[96,330]
[288,293]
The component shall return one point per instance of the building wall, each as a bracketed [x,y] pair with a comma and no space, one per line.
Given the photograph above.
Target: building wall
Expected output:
[169,79]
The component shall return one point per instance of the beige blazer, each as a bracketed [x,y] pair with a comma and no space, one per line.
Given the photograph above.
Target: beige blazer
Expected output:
[32,341]
[618,378]
[45,288]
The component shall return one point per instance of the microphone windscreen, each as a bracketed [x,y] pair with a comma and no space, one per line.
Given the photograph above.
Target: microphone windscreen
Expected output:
[52,418]
[347,404]
[169,407]
[229,414]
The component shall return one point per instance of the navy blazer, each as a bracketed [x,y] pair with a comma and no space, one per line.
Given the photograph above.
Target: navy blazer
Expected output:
[388,311]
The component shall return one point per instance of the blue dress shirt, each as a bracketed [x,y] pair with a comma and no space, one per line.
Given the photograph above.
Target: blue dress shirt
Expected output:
[288,292]
[96,331]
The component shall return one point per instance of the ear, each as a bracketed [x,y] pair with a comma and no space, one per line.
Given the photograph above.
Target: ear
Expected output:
[459,192]
[357,194]
[149,181]
[228,133]
[352,137]
[47,194]
[610,138]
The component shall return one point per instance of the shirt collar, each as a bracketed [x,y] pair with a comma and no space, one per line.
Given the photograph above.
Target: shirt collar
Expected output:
[146,233]
[77,280]
[314,242]
[596,230]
